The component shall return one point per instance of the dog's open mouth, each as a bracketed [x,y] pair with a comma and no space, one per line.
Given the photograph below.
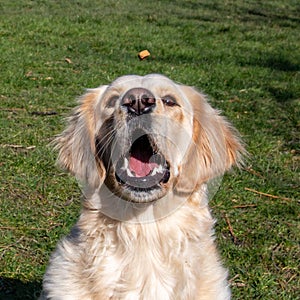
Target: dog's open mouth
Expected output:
[143,168]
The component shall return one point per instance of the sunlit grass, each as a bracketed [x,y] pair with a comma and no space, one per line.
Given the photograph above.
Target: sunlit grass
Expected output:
[245,55]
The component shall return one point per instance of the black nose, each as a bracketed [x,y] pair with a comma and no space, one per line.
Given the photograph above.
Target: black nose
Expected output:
[138,101]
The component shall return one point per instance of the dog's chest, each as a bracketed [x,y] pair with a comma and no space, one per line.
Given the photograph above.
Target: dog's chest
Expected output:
[144,265]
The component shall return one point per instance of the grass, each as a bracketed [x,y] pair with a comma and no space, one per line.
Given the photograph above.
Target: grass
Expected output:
[244,54]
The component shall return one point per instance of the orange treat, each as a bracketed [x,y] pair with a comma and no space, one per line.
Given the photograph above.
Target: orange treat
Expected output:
[144,54]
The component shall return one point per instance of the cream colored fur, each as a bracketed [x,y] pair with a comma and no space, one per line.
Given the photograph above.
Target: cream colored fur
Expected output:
[170,255]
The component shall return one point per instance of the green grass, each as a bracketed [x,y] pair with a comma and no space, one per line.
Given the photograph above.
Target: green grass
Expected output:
[244,54]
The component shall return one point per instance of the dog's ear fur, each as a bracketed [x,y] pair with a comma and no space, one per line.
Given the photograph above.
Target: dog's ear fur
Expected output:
[215,147]
[76,144]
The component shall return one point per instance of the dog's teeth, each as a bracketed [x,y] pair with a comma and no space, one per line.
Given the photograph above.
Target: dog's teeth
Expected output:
[129,173]
[158,169]
[125,166]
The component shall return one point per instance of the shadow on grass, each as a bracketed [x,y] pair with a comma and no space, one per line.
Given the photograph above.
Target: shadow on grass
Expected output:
[284,91]
[275,61]
[14,289]
[280,64]
[283,94]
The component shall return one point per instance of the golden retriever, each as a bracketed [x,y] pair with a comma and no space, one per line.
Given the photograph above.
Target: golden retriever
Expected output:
[144,148]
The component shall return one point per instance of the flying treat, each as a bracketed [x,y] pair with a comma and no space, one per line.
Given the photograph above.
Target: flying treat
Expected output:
[144,54]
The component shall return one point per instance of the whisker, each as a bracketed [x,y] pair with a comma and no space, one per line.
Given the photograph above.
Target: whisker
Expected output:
[108,137]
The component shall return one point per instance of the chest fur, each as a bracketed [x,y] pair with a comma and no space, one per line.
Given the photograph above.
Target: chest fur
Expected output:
[142,262]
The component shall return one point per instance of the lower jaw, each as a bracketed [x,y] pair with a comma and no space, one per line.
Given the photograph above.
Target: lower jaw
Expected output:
[140,196]
[139,184]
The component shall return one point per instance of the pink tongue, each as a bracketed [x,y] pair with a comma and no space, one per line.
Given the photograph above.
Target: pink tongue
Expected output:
[140,168]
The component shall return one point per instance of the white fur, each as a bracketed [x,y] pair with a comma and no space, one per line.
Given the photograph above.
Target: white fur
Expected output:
[173,258]
[162,250]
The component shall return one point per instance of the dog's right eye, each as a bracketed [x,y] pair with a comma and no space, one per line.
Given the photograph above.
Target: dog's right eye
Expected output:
[169,101]
[112,101]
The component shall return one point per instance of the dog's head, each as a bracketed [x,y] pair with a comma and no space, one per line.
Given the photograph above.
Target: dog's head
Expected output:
[146,136]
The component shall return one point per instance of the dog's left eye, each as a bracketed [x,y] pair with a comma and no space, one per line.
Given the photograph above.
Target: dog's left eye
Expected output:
[169,101]
[112,101]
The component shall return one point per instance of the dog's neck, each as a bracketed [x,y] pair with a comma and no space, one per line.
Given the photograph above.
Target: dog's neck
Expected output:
[102,201]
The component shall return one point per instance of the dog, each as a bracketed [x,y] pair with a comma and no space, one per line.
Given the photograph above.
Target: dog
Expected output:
[144,149]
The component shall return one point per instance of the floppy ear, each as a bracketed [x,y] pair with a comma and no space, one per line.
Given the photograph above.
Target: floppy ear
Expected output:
[215,147]
[76,144]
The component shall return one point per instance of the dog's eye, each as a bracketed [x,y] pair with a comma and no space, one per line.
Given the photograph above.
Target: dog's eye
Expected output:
[169,101]
[112,101]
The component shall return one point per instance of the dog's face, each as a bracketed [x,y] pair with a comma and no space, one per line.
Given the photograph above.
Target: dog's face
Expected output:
[146,136]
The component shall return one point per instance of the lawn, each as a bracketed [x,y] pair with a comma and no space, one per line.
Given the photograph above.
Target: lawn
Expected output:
[244,54]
